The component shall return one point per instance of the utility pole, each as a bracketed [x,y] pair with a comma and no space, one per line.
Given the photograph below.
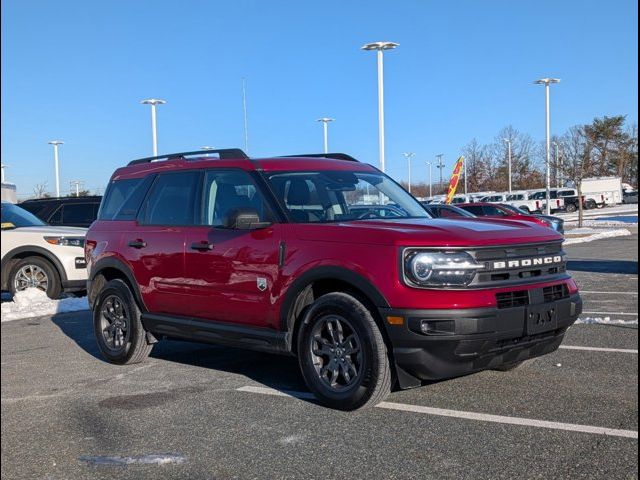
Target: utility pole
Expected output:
[430,179]
[408,156]
[440,167]
[3,167]
[246,119]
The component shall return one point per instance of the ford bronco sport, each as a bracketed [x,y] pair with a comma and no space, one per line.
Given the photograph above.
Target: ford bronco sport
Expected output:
[291,255]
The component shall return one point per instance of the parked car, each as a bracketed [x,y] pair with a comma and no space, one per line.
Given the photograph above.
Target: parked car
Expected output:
[37,255]
[538,201]
[447,211]
[65,211]
[630,196]
[267,254]
[589,200]
[509,212]
[494,198]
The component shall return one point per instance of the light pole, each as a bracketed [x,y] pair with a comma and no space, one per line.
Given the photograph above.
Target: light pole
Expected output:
[56,144]
[154,102]
[440,167]
[245,117]
[546,82]
[380,47]
[3,166]
[325,128]
[430,179]
[76,184]
[508,142]
[408,156]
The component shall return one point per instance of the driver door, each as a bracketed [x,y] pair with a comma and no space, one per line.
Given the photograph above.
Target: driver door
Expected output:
[231,273]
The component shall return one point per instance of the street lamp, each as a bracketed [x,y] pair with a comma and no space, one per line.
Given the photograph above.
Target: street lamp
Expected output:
[440,166]
[380,47]
[56,144]
[325,127]
[3,166]
[508,142]
[430,179]
[408,156]
[154,102]
[546,82]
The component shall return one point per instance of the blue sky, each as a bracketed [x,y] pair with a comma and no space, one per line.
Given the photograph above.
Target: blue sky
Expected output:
[77,70]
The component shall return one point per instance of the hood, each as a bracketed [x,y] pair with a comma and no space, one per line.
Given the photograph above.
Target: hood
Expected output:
[428,232]
[50,230]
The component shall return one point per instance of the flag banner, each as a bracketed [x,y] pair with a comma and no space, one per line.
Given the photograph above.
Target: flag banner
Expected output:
[455,179]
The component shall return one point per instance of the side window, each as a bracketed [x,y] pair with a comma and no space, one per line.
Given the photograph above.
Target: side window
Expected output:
[123,198]
[56,218]
[493,211]
[227,190]
[171,200]
[475,209]
[78,213]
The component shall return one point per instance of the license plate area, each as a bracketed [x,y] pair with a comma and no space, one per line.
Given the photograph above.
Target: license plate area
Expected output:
[541,318]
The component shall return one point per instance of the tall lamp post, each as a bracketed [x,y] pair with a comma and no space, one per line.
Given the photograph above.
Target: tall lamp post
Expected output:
[325,128]
[380,47]
[508,142]
[430,164]
[547,82]
[56,163]
[154,102]
[440,166]
[408,156]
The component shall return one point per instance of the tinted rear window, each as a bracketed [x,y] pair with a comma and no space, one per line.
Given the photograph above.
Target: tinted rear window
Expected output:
[171,200]
[123,198]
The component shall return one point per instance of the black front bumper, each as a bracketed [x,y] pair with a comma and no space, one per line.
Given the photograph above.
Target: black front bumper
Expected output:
[462,341]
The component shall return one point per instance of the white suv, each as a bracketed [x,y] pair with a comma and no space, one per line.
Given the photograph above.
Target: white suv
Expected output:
[38,255]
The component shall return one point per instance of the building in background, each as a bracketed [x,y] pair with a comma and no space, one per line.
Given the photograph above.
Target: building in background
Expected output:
[9,192]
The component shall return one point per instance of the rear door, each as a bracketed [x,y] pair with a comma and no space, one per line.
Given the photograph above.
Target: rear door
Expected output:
[155,248]
[230,274]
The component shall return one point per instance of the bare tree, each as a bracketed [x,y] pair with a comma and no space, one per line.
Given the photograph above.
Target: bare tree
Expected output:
[40,190]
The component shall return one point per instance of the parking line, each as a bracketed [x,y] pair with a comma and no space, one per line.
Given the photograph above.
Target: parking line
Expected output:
[483,417]
[598,349]
[613,293]
[612,313]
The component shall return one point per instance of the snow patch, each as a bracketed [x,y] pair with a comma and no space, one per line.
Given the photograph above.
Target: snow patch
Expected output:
[32,303]
[605,321]
[621,232]
[153,459]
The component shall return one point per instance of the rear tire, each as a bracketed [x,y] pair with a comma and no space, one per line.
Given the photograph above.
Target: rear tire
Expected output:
[35,272]
[117,326]
[571,208]
[342,355]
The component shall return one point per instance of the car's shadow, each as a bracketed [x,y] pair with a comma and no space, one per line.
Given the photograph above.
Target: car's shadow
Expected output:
[274,371]
[628,267]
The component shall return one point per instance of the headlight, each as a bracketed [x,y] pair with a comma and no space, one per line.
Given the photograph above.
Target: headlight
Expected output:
[66,241]
[436,269]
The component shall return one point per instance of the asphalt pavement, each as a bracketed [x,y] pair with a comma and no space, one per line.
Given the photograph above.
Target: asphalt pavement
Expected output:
[207,412]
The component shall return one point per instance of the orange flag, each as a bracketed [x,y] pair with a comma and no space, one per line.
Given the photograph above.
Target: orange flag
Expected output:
[455,179]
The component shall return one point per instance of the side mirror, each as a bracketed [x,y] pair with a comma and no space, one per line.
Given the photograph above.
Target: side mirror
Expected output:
[243,219]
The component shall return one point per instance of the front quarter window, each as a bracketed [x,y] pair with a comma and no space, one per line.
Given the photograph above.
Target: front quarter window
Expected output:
[16,217]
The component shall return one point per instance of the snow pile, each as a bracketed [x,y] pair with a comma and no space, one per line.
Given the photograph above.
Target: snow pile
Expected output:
[605,321]
[621,232]
[32,303]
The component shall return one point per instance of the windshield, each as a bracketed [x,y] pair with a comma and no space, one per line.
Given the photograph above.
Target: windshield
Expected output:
[514,209]
[14,217]
[329,196]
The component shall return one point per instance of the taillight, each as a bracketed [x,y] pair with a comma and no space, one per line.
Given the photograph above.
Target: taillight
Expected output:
[558,203]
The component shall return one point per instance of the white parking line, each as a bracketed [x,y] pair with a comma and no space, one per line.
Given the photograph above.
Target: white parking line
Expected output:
[598,349]
[483,417]
[612,313]
[607,293]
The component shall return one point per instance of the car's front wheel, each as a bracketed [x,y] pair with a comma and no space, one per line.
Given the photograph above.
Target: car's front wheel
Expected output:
[342,354]
[117,326]
[35,272]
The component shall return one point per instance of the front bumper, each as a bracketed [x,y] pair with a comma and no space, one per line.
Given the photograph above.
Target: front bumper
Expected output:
[463,341]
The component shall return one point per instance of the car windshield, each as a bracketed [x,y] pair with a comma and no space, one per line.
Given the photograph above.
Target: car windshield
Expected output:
[15,217]
[513,209]
[338,196]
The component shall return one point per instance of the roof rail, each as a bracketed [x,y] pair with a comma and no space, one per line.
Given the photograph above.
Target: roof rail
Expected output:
[336,156]
[225,153]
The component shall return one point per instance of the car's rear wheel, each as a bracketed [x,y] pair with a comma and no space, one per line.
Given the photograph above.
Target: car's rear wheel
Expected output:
[35,272]
[118,329]
[342,354]
[571,208]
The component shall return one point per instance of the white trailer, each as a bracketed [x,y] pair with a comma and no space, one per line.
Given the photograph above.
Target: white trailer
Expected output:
[609,188]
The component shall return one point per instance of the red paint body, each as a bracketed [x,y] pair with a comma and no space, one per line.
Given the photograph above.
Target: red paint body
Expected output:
[507,214]
[220,284]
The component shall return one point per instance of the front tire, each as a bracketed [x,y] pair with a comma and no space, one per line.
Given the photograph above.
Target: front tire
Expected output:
[342,355]
[35,272]
[117,326]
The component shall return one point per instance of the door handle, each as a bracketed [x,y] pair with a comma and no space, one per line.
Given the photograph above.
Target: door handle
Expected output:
[202,246]
[137,243]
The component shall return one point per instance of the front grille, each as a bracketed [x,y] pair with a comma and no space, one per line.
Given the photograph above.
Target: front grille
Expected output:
[512,299]
[555,292]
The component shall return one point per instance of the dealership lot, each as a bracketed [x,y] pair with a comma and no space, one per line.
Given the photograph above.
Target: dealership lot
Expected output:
[197,411]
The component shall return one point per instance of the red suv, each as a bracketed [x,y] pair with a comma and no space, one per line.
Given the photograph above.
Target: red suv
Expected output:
[282,255]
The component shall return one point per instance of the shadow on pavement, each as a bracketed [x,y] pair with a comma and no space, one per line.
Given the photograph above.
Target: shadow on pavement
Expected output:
[604,266]
[274,371]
